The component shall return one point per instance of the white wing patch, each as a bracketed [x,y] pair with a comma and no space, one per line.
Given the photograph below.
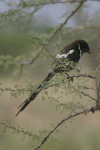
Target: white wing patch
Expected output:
[65,55]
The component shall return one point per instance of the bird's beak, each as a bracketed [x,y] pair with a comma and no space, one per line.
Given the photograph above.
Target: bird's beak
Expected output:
[88,51]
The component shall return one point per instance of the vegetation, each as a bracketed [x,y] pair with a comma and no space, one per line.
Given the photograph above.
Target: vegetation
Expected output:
[28,47]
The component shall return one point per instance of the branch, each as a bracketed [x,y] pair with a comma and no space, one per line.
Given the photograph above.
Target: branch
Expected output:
[60,123]
[82,92]
[98,92]
[80,59]
[19,131]
[45,48]
[82,75]
[49,2]
[85,87]
[66,20]
[61,104]
[32,13]
[83,28]
[40,89]
[51,85]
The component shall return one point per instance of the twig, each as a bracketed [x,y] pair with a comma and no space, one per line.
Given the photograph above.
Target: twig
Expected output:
[17,130]
[80,58]
[40,89]
[91,88]
[97,67]
[32,13]
[82,92]
[61,104]
[60,39]
[82,28]
[82,75]
[51,2]
[45,48]
[98,93]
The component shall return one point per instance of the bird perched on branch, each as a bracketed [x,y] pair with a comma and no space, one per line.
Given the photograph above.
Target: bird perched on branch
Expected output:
[70,53]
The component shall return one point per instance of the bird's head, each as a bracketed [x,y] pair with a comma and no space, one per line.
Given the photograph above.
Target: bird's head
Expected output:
[82,45]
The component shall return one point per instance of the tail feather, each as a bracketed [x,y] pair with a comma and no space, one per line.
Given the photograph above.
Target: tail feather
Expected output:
[34,94]
[23,103]
[23,107]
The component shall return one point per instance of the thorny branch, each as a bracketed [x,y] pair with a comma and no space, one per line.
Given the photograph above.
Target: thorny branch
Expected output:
[82,92]
[18,130]
[51,85]
[45,48]
[85,87]
[37,3]
[52,2]
[61,122]
[24,4]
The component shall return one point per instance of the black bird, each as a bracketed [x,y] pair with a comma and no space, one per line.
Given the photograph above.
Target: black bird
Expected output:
[70,53]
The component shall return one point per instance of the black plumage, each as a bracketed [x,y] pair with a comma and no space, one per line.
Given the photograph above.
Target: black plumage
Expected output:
[70,53]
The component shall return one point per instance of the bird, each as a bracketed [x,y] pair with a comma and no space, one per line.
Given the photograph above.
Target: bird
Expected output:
[70,53]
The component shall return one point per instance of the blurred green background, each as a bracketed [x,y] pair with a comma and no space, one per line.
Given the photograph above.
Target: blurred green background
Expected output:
[82,132]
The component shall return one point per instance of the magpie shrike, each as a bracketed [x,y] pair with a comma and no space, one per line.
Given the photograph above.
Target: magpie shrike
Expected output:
[70,53]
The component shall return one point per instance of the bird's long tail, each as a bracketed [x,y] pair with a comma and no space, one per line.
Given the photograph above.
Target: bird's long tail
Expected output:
[34,94]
